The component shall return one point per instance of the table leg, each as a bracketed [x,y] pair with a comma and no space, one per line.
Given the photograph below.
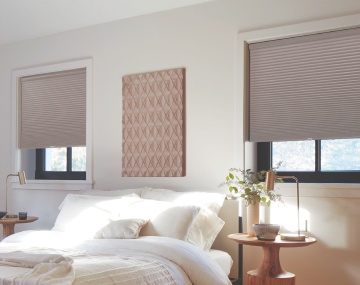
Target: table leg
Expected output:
[8,229]
[270,271]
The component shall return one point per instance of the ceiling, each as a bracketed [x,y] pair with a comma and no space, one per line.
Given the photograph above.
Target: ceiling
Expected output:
[26,19]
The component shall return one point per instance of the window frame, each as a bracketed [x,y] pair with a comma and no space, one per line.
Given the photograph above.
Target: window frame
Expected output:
[16,115]
[69,174]
[264,162]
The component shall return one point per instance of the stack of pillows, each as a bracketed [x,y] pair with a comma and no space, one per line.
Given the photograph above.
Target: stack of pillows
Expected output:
[128,214]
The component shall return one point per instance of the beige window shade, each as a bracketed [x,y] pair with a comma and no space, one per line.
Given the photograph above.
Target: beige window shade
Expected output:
[306,87]
[53,109]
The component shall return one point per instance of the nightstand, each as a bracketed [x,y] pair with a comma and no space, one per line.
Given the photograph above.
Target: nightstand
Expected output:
[270,272]
[9,224]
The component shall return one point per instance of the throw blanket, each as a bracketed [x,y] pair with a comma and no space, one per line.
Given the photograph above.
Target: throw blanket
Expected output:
[147,260]
[49,267]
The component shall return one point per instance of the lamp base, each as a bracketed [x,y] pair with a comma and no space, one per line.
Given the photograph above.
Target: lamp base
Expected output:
[11,216]
[293,237]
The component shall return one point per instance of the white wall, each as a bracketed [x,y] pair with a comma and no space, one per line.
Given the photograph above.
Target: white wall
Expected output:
[202,39]
[335,258]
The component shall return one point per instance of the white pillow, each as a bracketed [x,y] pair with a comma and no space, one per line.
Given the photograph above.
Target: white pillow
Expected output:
[84,215]
[205,229]
[121,229]
[207,224]
[211,201]
[112,193]
[166,219]
[107,197]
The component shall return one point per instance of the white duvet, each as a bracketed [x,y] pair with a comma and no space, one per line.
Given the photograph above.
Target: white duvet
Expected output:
[184,263]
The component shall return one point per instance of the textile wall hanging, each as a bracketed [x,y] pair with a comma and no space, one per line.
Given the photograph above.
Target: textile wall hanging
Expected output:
[153,116]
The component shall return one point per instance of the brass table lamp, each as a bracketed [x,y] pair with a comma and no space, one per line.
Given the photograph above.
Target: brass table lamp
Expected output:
[22,180]
[269,185]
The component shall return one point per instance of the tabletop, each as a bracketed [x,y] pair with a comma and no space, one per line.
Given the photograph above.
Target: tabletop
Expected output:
[244,238]
[17,221]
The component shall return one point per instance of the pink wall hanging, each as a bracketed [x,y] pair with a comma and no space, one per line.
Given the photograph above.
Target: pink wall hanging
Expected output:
[153,137]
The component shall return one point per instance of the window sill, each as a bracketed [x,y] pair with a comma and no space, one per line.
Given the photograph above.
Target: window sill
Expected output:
[321,190]
[62,185]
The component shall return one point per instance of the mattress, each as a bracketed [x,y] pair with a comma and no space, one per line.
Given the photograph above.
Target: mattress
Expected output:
[223,259]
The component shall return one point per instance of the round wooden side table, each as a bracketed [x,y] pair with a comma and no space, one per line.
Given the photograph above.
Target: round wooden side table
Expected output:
[9,224]
[270,271]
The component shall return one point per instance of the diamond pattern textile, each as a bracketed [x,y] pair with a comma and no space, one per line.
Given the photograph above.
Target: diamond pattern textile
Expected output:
[153,124]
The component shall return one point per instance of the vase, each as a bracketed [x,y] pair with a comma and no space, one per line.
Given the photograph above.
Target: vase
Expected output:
[252,218]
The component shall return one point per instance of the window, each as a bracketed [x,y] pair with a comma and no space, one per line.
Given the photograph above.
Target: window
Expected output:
[60,99]
[61,163]
[302,88]
[314,161]
[52,124]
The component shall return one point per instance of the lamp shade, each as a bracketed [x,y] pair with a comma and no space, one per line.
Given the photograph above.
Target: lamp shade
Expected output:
[22,178]
[269,180]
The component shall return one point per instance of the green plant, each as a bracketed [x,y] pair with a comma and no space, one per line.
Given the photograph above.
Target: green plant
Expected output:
[250,187]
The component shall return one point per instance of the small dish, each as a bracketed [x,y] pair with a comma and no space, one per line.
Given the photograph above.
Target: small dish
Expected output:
[2,214]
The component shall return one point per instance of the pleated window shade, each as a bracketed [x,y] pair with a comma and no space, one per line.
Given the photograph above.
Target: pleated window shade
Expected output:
[53,109]
[306,87]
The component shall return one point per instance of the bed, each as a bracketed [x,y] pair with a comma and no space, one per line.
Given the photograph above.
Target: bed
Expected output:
[154,251]
[223,259]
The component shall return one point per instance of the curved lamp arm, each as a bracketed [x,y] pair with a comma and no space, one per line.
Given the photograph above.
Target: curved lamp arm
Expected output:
[269,185]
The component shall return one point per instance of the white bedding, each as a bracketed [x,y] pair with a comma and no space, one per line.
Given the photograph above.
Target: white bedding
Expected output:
[223,259]
[186,263]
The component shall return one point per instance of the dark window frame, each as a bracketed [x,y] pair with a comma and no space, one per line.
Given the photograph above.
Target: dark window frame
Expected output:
[264,162]
[41,173]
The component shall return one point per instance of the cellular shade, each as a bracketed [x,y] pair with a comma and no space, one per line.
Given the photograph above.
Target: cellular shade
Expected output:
[306,87]
[53,109]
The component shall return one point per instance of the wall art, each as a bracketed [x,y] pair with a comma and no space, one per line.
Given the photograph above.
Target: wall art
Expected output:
[153,134]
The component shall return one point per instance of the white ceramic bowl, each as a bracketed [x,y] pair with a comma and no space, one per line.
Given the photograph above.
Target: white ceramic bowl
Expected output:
[266,231]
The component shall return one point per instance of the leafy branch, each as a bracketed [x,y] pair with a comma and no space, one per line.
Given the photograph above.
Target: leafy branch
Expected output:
[250,187]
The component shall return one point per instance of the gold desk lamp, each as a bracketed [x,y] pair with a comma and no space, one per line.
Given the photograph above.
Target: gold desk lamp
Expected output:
[269,185]
[22,180]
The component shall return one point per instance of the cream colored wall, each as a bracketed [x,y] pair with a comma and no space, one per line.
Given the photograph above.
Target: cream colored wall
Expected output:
[335,258]
[202,39]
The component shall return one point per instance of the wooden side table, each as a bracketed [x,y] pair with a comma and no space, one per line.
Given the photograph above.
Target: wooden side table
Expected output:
[9,224]
[270,271]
